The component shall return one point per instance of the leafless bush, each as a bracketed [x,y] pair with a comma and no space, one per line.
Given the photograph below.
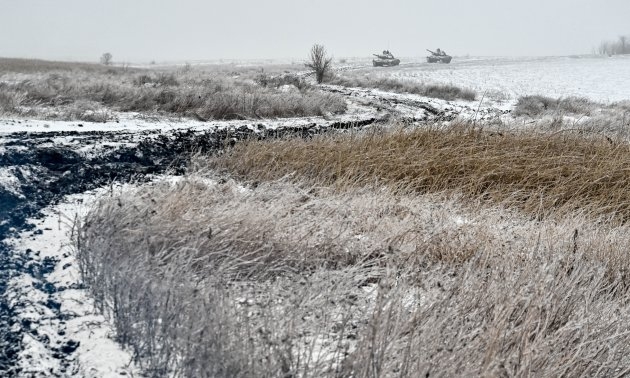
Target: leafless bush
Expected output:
[106,59]
[319,62]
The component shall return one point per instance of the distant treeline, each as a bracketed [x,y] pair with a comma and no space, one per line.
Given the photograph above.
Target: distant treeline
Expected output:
[620,46]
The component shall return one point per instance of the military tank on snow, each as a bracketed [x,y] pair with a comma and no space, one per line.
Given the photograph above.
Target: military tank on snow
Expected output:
[438,56]
[386,59]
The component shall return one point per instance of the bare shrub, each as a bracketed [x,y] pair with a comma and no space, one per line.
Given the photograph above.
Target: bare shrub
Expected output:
[319,62]
[106,59]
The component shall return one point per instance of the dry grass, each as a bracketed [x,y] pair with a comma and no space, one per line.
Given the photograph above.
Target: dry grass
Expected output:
[188,93]
[549,114]
[442,91]
[537,173]
[208,278]
[536,106]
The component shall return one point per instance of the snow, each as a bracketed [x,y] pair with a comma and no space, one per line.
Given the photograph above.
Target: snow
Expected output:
[8,181]
[596,77]
[97,354]
[131,122]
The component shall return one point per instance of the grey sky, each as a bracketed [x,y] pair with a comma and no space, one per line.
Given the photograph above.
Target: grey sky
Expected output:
[144,30]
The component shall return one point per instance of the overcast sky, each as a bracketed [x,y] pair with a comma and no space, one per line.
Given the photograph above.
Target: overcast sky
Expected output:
[181,30]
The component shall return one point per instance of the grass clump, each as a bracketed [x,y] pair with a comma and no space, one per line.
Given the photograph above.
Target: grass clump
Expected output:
[537,173]
[536,106]
[441,91]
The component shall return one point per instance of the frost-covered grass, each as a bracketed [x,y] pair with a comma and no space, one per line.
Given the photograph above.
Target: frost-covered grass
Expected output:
[447,92]
[536,105]
[92,94]
[206,277]
[580,114]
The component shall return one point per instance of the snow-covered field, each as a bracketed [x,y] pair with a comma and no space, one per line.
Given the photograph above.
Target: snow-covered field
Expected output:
[599,78]
[39,156]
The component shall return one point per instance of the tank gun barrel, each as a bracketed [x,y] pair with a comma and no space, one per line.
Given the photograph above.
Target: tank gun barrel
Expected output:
[432,52]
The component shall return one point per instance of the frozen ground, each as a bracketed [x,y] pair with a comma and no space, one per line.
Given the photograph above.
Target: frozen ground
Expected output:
[47,168]
[64,335]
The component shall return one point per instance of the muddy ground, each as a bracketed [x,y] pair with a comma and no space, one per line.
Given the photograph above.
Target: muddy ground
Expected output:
[51,165]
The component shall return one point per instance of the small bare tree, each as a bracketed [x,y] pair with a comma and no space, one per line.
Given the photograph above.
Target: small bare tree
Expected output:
[623,42]
[106,59]
[319,62]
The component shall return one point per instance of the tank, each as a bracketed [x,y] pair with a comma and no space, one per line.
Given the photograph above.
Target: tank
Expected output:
[438,57]
[386,59]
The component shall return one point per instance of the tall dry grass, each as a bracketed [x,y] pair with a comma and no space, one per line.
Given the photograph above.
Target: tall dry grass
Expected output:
[205,277]
[539,173]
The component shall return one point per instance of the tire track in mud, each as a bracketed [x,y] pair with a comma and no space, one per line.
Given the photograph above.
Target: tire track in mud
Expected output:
[51,165]
[410,108]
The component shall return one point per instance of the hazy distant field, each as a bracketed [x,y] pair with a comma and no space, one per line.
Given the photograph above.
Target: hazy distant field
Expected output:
[598,78]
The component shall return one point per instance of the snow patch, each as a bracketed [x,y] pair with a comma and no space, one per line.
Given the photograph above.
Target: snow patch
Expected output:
[63,334]
[9,182]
